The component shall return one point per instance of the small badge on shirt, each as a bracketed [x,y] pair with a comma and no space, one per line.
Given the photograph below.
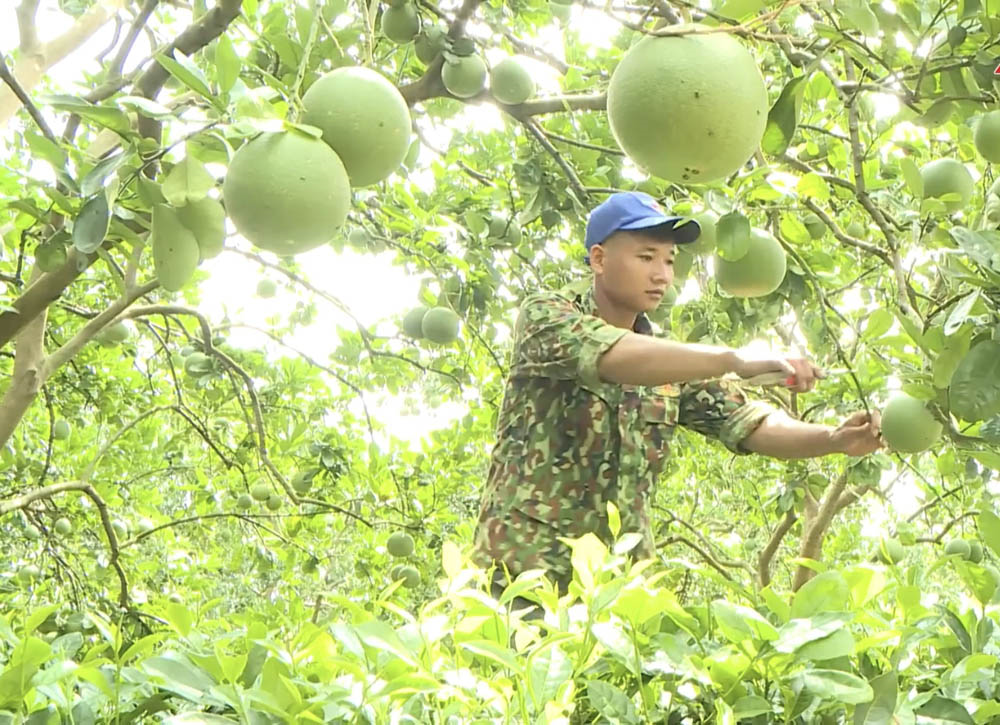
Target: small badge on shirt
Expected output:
[667,389]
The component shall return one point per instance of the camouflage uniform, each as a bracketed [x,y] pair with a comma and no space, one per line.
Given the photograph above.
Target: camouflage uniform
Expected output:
[567,442]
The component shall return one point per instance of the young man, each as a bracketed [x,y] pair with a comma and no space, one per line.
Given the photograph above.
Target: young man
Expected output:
[593,398]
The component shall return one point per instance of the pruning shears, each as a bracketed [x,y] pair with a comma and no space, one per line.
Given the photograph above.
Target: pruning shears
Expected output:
[779,378]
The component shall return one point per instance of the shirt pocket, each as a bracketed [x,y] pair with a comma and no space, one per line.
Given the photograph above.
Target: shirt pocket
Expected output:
[658,413]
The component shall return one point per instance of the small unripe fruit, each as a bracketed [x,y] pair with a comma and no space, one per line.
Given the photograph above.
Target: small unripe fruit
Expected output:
[274,502]
[261,492]
[63,526]
[400,544]
[958,546]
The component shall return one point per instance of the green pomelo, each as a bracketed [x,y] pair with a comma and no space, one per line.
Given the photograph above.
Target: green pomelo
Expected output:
[464,76]
[61,430]
[440,325]
[287,192]
[261,492]
[429,43]
[413,322]
[32,533]
[759,272]
[50,257]
[688,109]
[958,546]
[987,137]
[706,241]
[273,502]
[401,24]
[175,249]
[946,176]
[511,82]
[855,229]
[358,238]
[302,481]
[63,526]
[956,35]
[907,425]
[561,11]
[400,544]
[814,225]
[266,288]
[28,573]
[197,364]
[206,219]
[187,350]
[409,574]
[244,502]
[892,551]
[114,334]
[975,552]
[371,133]
[120,529]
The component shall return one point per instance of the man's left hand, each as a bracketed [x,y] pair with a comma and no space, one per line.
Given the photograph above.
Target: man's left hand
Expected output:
[860,434]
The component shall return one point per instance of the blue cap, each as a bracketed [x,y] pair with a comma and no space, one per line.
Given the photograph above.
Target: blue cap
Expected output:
[636,210]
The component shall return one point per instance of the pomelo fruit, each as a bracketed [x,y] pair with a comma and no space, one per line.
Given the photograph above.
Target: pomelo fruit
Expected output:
[561,10]
[907,425]
[302,481]
[956,35]
[440,325]
[706,241]
[400,544]
[855,229]
[273,502]
[814,225]
[261,492]
[987,136]
[266,288]
[197,364]
[120,528]
[975,552]
[175,248]
[244,502]
[892,551]
[28,573]
[413,322]
[206,219]
[287,192]
[113,334]
[409,574]
[32,533]
[145,525]
[759,272]
[511,82]
[944,176]
[401,23]
[958,546]
[50,257]
[61,429]
[63,526]
[688,109]
[371,133]
[464,76]
[431,41]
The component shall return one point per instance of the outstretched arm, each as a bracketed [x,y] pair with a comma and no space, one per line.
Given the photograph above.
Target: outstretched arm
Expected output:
[781,436]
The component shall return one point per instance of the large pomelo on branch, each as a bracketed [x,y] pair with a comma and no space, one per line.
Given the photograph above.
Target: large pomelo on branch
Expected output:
[689,109]
[757,273]
[364,118]
[907,425]
[401,23]
[510,81]
[987,137]
[287,192]
[464,76]
[947,176]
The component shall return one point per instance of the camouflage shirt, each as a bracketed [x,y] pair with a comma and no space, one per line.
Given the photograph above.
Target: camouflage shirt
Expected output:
[568,442]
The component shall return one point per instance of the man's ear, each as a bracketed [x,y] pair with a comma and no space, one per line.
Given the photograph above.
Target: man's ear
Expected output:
[597,258]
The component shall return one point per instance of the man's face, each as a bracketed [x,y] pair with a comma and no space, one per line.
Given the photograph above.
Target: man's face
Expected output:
[631,266]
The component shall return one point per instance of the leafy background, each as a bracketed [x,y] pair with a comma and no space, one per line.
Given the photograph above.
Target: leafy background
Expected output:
[772,599]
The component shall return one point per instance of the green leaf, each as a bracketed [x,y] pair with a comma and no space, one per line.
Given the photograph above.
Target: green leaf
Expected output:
[187,181]
[610,702]
[958,629]
[942,710]
[739,623]
[974,390]
[783,117]
[547,672]
[988,458]
[91,224]
[732,233]
[879,322]
[944,365]
[970,668]
[798,632]
[837,686]
[912,177]
[111,118]
[989,529]
[823,593]
[380,636]
[183,69]
[38,616]
[227,64]
[149,108]
[812,185]
[751,706]
[180,676]
[882,707]
[503,656]
[838,644]
[960,313]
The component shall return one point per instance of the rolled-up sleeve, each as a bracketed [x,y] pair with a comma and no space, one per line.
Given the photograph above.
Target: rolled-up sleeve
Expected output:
[553,339]
[719,410]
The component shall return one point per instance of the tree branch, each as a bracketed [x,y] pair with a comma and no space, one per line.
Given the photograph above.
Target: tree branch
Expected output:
[764,562]
[574,180]
[25,100]
[812,538]
[115,69]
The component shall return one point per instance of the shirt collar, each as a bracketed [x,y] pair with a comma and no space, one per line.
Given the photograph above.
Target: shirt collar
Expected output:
[581,291]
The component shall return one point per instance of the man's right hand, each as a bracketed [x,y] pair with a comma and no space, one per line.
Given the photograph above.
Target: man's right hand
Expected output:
[802,374]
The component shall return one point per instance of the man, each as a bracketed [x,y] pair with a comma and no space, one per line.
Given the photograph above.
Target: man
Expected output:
[593,398]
